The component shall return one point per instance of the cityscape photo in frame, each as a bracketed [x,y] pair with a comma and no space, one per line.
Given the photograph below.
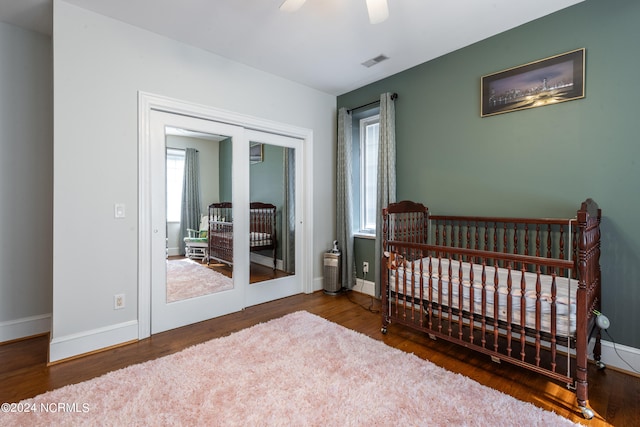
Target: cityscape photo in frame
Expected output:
[547,81]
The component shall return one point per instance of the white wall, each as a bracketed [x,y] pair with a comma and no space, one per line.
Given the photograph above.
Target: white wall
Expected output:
[99,66]
[26,171]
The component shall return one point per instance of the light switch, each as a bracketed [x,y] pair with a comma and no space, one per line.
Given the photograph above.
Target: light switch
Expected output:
[119,210]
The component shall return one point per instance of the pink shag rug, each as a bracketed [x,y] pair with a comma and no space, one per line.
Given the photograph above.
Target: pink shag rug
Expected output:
[189,279]
[298,370]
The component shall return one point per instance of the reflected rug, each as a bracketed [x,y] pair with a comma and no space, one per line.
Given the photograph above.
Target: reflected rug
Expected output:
[298,370]
[189,279]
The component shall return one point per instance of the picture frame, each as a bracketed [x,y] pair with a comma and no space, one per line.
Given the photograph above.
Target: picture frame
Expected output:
[548,81]
[256,152]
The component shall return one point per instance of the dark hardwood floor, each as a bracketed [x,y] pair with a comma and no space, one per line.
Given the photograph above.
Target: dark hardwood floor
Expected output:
[614,396]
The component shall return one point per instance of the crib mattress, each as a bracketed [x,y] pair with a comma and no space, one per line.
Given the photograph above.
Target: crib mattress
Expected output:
[565,302]
[225,239]
[260,239]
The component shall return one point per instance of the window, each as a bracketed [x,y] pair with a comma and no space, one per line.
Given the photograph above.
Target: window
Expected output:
[369,133]
[175,175]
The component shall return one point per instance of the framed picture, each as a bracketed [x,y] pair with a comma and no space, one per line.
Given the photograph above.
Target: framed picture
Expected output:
[256,152]
[547,81]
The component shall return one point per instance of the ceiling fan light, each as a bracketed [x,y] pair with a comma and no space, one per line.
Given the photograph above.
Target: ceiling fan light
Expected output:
[378,10]
[291,5]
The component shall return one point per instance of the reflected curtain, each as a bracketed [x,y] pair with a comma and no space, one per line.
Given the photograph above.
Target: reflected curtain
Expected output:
[386,170]
[344,200]
[288,234]
[190,210]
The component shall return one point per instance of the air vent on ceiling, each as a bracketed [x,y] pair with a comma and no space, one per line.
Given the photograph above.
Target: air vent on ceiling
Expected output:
[374,61]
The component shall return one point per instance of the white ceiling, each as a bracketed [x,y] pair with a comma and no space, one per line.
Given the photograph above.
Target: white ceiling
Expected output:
[322,45]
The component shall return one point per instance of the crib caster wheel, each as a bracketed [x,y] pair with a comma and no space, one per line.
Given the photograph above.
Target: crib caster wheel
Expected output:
[586,412]
[383,330]
[600,364]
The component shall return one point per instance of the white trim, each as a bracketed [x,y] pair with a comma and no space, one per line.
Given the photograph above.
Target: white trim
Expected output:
[366,287]
[265,261]
[25,327]
[609,357]
[148,102]
[361,235]
[363,178]
[85,342]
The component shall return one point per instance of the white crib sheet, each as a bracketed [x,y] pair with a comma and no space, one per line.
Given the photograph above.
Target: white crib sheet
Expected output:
[259,239]
[565,292]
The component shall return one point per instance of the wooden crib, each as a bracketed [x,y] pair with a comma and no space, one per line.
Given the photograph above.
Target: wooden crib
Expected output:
[521,290]
[262,227]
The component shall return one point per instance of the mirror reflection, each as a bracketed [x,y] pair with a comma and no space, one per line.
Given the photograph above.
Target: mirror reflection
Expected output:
[198,176]
[272,212]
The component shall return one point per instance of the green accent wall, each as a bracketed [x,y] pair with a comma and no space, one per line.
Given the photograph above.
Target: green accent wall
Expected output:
[267,186]
[225,160]
[539,162]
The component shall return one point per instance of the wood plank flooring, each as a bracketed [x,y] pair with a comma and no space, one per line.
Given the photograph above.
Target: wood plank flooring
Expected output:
[614,396]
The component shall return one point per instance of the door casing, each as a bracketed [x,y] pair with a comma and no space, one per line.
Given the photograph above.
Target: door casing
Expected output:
[148,102]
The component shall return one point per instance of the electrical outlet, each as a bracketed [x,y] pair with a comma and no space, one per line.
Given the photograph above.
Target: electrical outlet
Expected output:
[118,301]
[365,267]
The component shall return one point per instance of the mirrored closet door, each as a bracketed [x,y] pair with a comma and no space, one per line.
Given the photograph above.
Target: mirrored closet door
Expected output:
[193,250]
[274,247]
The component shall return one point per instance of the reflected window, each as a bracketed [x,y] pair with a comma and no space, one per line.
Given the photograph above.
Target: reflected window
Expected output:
[175,175]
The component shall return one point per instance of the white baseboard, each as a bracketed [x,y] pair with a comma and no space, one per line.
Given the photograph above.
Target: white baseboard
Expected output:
[73,345]
[318,284]
[266,261]
[361,285]
[365,286]
[609,356]
[26,327]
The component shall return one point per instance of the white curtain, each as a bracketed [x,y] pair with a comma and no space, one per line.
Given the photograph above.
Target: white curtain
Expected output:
[190,211]
[386,170]
[344,200]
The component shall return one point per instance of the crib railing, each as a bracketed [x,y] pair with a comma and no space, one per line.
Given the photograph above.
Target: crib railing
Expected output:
[415,294]
[549,238]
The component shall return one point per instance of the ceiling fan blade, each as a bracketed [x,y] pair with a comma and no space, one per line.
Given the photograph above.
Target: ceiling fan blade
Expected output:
[378,10]
[291,5]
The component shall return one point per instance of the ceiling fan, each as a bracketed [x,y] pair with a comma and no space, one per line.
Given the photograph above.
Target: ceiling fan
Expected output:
[378,9]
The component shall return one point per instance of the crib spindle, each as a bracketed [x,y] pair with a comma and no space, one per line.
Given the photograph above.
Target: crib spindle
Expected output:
[538,314]
[429,305]
[509,308]
[523,311]
[460,299]
[505,238]
[471,301]
[449,302]
[554,312]
[483,323]
[440,293]
[496,309]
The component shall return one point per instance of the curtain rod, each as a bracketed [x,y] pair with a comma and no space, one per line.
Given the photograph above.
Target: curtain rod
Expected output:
[394,96]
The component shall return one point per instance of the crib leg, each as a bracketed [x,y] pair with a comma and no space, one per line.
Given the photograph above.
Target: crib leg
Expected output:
[597,351]
[385,323]
[587,413]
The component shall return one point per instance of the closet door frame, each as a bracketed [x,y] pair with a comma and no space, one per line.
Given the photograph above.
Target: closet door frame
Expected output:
[148,102]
